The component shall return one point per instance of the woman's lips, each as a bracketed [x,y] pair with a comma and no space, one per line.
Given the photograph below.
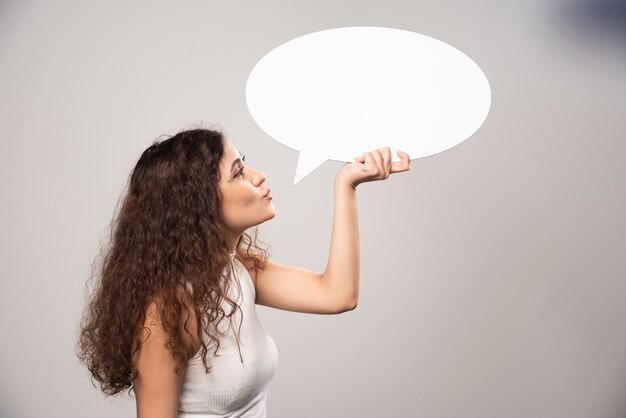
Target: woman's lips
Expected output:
[268,195]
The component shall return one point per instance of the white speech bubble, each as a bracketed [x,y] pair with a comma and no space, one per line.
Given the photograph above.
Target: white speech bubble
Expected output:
[333,94]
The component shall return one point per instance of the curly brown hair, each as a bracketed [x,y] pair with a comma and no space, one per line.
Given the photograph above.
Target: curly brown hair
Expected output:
[168,244]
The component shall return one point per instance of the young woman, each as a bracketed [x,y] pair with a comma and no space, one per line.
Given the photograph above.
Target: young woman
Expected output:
[181,276]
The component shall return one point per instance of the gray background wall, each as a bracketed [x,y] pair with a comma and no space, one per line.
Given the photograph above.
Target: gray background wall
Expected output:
[493,274]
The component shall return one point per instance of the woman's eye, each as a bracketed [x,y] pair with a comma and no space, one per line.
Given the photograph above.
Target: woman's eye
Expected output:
[239,173]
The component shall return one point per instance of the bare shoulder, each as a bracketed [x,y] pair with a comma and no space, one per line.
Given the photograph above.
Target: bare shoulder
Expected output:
[157,385]
[154,337]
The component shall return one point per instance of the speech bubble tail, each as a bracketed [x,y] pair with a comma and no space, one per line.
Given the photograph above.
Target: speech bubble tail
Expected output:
[307,163]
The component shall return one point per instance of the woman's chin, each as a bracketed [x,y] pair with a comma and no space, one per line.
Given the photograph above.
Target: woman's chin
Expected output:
[272,215]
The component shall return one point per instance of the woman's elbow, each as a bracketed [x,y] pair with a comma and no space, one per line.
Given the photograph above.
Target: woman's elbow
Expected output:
[349,305]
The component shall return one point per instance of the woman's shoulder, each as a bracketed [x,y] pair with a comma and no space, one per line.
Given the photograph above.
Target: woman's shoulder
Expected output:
[188,323]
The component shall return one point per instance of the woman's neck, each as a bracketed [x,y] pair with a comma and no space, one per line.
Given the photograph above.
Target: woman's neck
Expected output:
[232,243]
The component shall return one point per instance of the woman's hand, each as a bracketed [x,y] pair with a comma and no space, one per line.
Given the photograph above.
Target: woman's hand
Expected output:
[371,166]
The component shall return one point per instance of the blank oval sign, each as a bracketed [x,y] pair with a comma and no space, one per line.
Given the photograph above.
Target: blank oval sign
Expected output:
[334,94]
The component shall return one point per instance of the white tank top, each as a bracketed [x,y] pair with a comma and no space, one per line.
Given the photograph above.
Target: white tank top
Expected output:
[232,388]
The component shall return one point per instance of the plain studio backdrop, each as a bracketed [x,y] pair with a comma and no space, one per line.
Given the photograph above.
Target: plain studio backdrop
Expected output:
[493,274]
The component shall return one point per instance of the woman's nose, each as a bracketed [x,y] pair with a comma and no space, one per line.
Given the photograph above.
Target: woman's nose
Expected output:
[259,177]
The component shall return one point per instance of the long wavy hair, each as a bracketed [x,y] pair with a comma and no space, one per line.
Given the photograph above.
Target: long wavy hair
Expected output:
[168,243]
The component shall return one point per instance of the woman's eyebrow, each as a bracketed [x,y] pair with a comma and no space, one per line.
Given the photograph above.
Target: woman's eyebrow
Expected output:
[238,160]
[235,164]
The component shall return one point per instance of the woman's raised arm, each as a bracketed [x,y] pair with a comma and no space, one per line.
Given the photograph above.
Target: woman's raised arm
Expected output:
[341,276]
[335,290]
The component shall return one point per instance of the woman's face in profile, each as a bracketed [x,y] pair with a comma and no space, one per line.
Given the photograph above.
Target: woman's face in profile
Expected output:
[245,199]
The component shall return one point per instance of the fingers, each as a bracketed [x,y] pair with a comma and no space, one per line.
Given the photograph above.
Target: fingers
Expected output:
[386,154]
[382,156]
[370,161]
[404,163]
[378,162]
[378,159]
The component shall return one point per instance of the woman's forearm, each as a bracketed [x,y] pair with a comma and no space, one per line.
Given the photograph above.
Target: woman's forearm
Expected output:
[341,275]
